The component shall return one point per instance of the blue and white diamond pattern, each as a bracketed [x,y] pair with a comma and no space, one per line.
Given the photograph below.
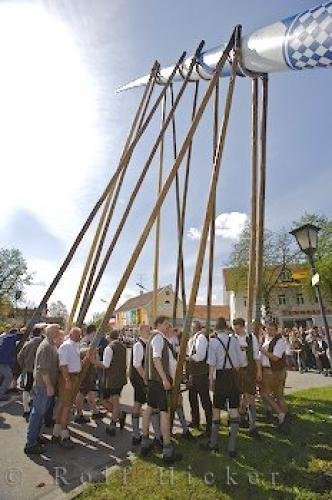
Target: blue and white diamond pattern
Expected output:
[308,41]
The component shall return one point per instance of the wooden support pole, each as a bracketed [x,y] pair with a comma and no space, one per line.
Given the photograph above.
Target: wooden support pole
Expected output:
[213,219]
[205,231]
[103,217]
[182,222]
[261,205]
[94,211]
[166,186]
[253,218]
[135,191]
[157,241]
[107,217]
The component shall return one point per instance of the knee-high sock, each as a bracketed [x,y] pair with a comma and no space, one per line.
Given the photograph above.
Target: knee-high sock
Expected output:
[182,418]
[25,401]
[252,416]
[155,420]
[135,421]
[234,427]
[214,432]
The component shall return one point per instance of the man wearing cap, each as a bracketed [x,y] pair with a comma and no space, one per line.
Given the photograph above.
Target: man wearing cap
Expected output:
[250,372]
[224,360]
[45,381]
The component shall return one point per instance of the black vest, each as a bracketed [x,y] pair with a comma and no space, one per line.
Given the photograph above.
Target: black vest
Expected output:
[281,363]
[150,368]
[134,376]
[116,375]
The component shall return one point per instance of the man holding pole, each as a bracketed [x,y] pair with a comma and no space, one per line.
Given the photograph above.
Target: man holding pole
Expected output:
[160,368]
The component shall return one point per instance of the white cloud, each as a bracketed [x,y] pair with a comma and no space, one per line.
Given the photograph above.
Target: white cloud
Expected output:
[229,225]
[194,233]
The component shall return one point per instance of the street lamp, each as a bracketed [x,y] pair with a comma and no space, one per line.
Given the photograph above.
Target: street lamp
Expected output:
[307,239]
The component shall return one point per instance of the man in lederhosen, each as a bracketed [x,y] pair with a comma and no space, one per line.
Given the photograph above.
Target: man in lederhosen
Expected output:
[273,360]
[114,378]
[138,379]
[160,368]
[250,372]
[224,360]
[198,372]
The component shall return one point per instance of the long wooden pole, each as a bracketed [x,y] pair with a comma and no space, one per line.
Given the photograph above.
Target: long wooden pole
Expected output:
[261,205]
[134,192]
[182,223]
[204,235]
[213,219]
[157,240]
[167,184]
[92,214]
[253,218]
[110,211]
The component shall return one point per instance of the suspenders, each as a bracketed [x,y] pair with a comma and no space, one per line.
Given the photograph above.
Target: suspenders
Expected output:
[226,349]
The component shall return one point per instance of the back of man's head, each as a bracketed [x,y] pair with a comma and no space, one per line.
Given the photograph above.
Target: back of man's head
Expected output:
[221,324]
[114,334]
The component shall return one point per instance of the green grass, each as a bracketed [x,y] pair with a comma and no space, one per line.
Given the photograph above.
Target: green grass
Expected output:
[301,460]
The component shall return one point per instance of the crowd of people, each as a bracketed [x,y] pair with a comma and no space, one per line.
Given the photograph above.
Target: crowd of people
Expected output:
[226,370]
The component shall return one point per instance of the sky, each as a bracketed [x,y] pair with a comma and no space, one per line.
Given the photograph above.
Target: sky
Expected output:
[63,129]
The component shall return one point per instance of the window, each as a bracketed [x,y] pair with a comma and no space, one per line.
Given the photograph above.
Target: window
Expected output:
[167,292]
[282,300]
[286,275]
[299,299]
[245,301]
[167,302]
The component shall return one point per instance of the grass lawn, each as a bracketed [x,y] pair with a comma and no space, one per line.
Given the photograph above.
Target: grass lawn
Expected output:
[296,465]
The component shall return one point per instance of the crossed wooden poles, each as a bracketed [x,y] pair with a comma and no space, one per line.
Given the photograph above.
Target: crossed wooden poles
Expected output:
[90,278]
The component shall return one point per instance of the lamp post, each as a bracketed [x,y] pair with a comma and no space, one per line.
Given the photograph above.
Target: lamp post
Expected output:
[307,239]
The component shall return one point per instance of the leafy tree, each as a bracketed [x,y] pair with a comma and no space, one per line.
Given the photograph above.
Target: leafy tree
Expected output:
[13,273]
[324,252]
[280,250]
[58,310]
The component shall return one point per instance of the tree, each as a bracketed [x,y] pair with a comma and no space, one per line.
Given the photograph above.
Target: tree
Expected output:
[58,310]
[13,273]
[324,252]
[280,250]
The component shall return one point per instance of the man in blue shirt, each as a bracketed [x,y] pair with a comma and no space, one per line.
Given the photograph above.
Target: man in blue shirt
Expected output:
[7,360]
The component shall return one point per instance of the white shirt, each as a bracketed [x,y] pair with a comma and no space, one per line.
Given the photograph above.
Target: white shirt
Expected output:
[243,340]
[216,356]
[107,356]
[157,344]
[278,350]
[69,355]
[138,354]
[198,343]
